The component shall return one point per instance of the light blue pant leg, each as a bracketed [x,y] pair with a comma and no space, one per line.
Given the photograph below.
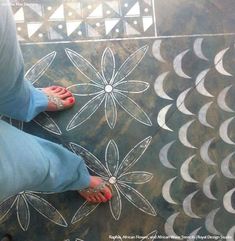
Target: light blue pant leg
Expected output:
[18,98]
[28,162]
[31,163]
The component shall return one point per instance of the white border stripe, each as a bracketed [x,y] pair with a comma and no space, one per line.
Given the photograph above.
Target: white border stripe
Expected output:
[135,38]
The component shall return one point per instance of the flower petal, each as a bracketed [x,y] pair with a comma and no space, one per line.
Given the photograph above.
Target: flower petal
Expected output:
[130,64]
[91,161]
[115,204]
[86,111]
[112,157]
[22,210]
[108,65]
[133,155]
[6,206]
[132,86]
[85,67]
[110,111]
[137,199]
[47,123]
[46,209]
[84,211]
[85,89]
[38,69]
[137,177]
[132,108]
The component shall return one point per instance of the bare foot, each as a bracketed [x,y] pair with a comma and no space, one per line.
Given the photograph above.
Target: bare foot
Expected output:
[59,98]
[98,191]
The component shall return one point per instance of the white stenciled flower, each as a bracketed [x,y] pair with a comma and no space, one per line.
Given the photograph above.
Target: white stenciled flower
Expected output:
[109,86]
[118,176]
[21,203]
[33,75]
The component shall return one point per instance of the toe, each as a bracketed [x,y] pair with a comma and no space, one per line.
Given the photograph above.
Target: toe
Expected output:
[102,197]
[69,102]
[62,91]
[66,95]
[57,90]
[107,192]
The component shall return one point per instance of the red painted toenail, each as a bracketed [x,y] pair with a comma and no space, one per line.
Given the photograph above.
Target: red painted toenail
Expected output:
[108,196]
[71,100]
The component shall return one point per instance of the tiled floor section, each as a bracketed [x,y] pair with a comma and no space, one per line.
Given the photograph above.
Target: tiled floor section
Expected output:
[160,111]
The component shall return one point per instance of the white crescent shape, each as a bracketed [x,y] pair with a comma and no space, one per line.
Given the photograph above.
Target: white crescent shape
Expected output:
[184,170]
[209,222]
[169,225]
[227,201]
[180,102]
[231,233]
[192,236]
[187,205]
[207,187]
[204,152]
[183,134]
[166,191]
[161,118]
[223,131]
[158,86]
[225,167]
[202,114]
[200,83]
[156,50]
[177,64]
[218,61]
[197,47]
[163,155]
[221,100]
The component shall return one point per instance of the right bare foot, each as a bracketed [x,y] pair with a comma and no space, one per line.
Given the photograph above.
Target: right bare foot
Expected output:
[98,191]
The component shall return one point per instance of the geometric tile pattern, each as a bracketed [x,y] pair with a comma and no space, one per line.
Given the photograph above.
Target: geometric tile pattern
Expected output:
[40,21]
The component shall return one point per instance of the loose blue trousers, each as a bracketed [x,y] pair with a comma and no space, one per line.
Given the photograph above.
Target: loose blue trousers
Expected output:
[26,161]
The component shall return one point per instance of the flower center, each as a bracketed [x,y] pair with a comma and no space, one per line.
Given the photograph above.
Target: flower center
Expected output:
[108,88]
[112,180]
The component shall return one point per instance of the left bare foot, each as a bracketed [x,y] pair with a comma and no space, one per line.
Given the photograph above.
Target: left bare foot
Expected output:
[59,98]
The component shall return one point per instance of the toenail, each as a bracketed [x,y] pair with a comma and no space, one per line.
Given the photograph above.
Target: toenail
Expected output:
[71,100]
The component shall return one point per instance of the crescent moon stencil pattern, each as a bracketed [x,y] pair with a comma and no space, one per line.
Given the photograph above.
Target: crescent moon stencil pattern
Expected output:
[207,187]
[187,205]
[163,155]
[166,191]
[180,102]
[197,48]
[231,233]
[227,201]
[204,152]
[156,50]
[169,225]
[202,114]
[184,170]
[218,61]
[223,131]
[183,131]
[177,65]
[193,235]
[200,83]
[158,86]
[161,118]
[225,166]
[221,100]
[209,222]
